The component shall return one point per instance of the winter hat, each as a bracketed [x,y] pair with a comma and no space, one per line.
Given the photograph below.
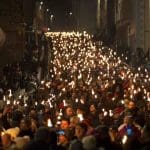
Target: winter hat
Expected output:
[89,142]
[14,132]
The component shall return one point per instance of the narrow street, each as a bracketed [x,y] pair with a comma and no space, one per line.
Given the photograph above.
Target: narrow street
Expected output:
[84,72]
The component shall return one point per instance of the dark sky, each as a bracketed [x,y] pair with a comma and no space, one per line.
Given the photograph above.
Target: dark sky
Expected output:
[60,3]
[60,9]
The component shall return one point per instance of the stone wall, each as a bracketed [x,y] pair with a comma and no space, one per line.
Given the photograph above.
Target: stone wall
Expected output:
[12,23]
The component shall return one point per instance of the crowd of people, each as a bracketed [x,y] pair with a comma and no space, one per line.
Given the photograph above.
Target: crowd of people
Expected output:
[91,100]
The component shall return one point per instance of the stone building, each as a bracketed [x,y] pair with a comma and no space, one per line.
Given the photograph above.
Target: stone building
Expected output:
[132,26]
[85,15]
[12,25]
[106,20]
[15,16]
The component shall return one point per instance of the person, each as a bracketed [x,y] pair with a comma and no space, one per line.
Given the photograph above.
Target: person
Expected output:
[73,123]
[69,112]
[64,124]
[25,128]
[45,138]
[17,115]
[103,139]
[132,108]
[132,144]
[93,115]
[74,120]
[89,142]
[117,116]
[64,138]
[80,132]
[3,117]
[129,128]
[145,137]
[90,128]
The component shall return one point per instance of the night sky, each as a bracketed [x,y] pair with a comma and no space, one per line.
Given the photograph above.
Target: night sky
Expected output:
[60,9]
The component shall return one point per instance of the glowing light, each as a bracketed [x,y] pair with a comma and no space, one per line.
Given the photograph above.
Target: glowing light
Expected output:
[4,98]
[60,113]
[41,3]
[25,105]
[49,123]
[105,113]
[64,101]
[124,139]
[8,102]
[42,82]
[80,116]
[10,93]
[110,113]
[80,64]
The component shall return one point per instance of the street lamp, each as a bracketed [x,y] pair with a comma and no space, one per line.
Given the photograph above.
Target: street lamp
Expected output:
[70,13]
[51,16]
[51,19]
[70,20]
[41,3]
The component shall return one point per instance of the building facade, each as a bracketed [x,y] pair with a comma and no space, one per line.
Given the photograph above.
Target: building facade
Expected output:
[13,27]
[85,15]
[106,21]
[15,16]
[127,23]
[133,28]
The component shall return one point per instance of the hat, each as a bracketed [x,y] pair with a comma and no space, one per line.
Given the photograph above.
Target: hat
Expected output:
[14,132]
[89,142]
[118,110]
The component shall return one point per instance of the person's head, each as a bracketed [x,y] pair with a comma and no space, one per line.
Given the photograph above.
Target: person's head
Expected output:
[89,142]
[113,133]
[102,135]
[80,130]
[69,111]
[87,122]
[131,105]
[128,120]
[46,135]
[101,115]
[25,124]
[74,121]
[102,131]
[17,115]
[117,112]
[34,125]
[63,137]
[64,124]
[79,111]
[92,108]
[33,114]
[146,133]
